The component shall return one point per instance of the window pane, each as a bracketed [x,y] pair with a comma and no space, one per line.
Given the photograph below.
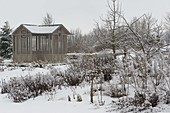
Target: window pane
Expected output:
[34,43]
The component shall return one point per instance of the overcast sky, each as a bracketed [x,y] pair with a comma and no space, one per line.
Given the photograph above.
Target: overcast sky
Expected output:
[75,13]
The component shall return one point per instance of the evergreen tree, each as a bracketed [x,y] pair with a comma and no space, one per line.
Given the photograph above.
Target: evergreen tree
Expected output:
[6,41]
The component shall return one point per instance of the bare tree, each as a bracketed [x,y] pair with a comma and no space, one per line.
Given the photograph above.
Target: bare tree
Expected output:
[167,28]
[145,34]
[108,32]
[48,19]
[167,21]
[76,41]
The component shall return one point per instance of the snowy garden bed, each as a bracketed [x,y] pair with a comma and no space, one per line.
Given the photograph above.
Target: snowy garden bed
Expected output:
[57,88]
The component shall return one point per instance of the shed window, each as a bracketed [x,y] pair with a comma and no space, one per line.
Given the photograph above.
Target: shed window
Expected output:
[23,42]
[40,43]
[34,43]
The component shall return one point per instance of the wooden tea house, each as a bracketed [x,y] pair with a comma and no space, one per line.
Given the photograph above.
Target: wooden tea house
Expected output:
[40,43]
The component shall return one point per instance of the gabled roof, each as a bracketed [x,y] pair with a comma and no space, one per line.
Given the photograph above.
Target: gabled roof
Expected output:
[41,29]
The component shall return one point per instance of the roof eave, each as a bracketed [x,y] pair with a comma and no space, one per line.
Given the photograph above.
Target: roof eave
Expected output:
[41,33]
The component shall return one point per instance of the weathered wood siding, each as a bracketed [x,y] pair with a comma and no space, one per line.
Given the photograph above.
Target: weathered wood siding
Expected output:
[53,51]
[21,54]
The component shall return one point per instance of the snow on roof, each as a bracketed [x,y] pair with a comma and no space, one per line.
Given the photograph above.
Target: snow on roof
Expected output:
[41,29]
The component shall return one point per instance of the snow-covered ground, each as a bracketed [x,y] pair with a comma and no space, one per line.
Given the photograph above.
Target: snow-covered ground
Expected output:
[57,101]
[52,103]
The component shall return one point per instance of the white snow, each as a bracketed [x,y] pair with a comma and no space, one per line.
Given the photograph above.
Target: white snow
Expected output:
[41,29]
[56,102]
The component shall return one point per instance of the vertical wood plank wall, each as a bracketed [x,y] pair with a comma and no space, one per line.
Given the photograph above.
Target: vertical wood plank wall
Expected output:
[54,54]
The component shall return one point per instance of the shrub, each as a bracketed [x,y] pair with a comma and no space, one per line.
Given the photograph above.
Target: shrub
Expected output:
[154,99]
[71,77]
[139,99]
[23,88]
[115,92]
[107,74]
[167,97]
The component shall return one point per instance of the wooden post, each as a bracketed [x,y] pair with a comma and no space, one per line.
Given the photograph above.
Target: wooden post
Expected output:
[19,44]
[52,47]
[14,44]
[14,47]
[30,43]
[49,44]
[91,89]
